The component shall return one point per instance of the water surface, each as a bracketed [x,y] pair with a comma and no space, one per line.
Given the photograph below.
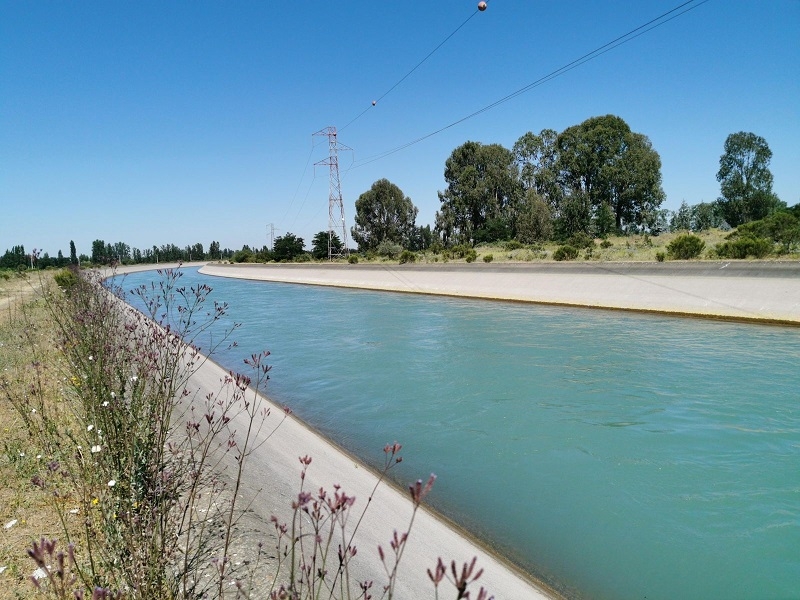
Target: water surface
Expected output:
[614,455]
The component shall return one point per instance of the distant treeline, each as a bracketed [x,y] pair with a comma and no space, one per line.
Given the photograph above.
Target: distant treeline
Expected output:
[105,254]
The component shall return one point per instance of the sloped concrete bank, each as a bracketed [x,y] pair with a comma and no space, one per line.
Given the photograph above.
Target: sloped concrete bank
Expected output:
[767,292]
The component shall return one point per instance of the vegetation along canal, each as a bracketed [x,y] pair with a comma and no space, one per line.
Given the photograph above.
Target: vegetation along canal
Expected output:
[614,455]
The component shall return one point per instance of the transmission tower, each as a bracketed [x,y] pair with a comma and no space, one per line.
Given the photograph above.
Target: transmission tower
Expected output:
[336,222]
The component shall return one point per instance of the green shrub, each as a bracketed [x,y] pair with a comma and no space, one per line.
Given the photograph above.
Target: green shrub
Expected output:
[512,245]
[580,240]
[66,278]
[660,256]
[488,258]
[606,244]
[353,259]
[471,255]
[566,252]
[745,246]
[389,249]
[406,256]
[685,246]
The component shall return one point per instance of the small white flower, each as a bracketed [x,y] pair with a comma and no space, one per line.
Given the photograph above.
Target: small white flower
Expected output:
[73,511]
[10,524]
[112,483]
[22,455]
[91,357]
[38,457]
[105,403]
[96,449]
[90,427]
[134,379]
[113,395]
[33,411]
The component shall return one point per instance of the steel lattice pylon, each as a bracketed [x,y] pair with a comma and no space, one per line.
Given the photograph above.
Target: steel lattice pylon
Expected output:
[336,222]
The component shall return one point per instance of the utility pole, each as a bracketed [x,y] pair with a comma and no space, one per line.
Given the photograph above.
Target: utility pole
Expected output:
[336,222]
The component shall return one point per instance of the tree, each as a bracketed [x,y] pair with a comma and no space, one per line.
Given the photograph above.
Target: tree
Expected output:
[536,157]
[535,222]
[483,188]
[745,179]
[73,254]
[214,251]
[319,245]
[603,162]
[99,255]
[384,214]
[682,218]
[287,247]
[706,215]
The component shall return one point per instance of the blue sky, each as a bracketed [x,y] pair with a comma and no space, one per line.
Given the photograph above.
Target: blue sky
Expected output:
[185,122]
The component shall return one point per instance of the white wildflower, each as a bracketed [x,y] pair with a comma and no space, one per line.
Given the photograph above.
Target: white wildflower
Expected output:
[90,427]
[134,379]
[96,448]
[105,403]
[91,357]
[113,395]
[112,483]
[10,524]
[73,511]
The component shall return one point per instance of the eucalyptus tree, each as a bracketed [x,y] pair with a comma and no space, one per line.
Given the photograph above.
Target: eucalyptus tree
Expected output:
[745,179]
[536,156]
[384,214]
[604,165]
[482,196]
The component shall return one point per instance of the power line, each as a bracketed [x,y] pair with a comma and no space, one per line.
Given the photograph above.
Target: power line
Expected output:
[607,47]
[407,75]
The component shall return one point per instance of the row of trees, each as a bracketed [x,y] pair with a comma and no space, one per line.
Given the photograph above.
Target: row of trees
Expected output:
[106,253]
[595,178]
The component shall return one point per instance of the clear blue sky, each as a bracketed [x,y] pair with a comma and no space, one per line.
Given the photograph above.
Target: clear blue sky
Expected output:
[184,122]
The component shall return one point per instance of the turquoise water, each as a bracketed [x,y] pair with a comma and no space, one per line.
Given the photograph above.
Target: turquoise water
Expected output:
[614,455]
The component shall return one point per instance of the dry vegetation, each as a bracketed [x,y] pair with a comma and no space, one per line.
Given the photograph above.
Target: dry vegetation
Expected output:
[25,513]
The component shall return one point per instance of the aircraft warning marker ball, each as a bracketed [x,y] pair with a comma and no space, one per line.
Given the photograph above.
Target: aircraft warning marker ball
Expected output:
[481,6]
[374,102]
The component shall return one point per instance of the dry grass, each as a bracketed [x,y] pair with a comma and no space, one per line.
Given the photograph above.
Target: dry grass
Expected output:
[26,512]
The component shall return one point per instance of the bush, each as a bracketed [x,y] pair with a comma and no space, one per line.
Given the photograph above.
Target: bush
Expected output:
[745,246]
[512,245]
[566,252]
[606,244]
[660,256]
[406,256]
[685,247]
[352,259]
[580,240]
[389,249]
[66,278]
[488,258]
[471,255]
